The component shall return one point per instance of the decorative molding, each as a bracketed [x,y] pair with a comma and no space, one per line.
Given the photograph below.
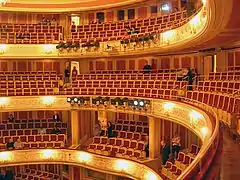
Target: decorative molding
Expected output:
[179,114]
[106,164]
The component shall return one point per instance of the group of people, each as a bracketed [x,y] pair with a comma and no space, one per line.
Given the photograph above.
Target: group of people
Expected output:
[106,130]
[47,21]
[14,145]
[166,150]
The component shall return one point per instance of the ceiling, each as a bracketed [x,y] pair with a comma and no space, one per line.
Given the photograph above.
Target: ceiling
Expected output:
[64,5]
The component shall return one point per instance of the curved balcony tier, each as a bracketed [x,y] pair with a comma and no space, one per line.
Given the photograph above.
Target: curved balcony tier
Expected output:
[203,123]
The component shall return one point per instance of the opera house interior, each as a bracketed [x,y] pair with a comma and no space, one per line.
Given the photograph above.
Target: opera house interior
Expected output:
[119,90]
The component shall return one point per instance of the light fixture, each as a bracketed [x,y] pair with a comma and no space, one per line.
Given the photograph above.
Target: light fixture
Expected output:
[75,99]
[135,102]
[168,35]
[150,175]
[194,115]
[48,100]
[3,101]
[122,165]
[141,103]
[204,131]
[168,106]
[68,99]
[5,156]
[85,157]
[3,47]
[48,153]
[204,2]
[48,48]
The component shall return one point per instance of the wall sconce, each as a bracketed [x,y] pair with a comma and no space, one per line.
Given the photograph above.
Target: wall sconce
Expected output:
[122,165]
[194,118]
[168,36]
[85,157]
[150,175]
[3,48]
[5,156]
[3,102]
[48,48]
[48,154]
[204,131]
[48,100]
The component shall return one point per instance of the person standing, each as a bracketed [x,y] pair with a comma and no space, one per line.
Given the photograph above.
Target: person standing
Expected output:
[74,73]
[165,151]
[176,145]
[67,74]
[110,130]
[11,118]
[147,146]
[56,117]
[189,77]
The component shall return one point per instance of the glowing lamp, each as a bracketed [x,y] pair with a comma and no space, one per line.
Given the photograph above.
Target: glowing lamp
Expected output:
[150,175]
[195,21]
[204,131]
[135,102]
[5,156]
[3,47]
[48,48]
[168,35]
[122,165]
[3,101]
[141,103]
[85,157]
[168,106]
[204,2]
[48,153]
[48,100]
[194,115]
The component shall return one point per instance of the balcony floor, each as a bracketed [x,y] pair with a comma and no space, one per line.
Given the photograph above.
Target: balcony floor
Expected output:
[230,163]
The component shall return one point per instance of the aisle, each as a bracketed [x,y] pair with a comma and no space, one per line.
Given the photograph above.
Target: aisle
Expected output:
[230,163]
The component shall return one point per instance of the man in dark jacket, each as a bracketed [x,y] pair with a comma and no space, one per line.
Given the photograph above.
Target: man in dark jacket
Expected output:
[56,116]
[165,151]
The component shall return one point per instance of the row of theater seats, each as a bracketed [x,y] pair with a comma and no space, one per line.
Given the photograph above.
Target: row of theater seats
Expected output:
[102,33]
[224,102]
[34,121]
[231,75]
[31,28]
[28,84]
[219,86]
[133,72]
[21,132]
[140,92]
[132,23]
[34,38]
[30,77]
[120,121]
[132,76]
[37,141]
[31,125]
[19,73]
[117,147]
[173,169]
[36,175]
[129,84]
[131,128]
[130,135]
